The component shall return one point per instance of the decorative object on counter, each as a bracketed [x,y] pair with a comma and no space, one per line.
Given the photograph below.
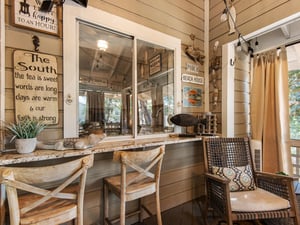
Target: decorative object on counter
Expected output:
[208,127]
[73,143]
[186,120]
[24,133]
[194,53]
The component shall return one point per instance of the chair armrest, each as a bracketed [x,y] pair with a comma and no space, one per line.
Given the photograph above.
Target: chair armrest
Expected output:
[280,185]
[218,192]
[274,176]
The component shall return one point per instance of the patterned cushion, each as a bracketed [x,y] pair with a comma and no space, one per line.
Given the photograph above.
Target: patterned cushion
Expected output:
[241,178]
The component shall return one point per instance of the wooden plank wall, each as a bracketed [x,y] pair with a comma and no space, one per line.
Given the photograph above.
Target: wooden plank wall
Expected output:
[251,16]
[242,95]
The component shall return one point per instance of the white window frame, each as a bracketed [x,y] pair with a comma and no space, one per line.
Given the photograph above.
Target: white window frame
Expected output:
[72,13]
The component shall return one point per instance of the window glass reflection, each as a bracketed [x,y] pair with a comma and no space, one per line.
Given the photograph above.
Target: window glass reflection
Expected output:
[155,88]
[105,81]
[106,84]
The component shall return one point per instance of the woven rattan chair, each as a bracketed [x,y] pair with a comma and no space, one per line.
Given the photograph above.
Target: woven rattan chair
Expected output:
[274,198]
[36,204]
[140,176]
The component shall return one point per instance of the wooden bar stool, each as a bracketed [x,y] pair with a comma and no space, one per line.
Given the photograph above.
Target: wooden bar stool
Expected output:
[42,206]
[140,175]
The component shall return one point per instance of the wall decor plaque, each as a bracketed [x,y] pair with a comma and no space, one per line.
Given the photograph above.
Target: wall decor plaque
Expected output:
[193,68]
[192,97]
[26,14]
[35,86]
[192,79]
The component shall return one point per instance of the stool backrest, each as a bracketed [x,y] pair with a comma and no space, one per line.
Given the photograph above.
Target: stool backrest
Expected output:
[30,180]
[146,164]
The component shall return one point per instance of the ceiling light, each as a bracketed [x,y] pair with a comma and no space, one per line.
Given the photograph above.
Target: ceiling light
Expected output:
[102,45]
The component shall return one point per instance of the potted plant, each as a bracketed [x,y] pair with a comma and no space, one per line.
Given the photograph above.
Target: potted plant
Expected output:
[24,133]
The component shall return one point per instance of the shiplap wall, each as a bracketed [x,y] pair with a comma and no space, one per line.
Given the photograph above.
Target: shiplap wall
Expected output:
[252,15]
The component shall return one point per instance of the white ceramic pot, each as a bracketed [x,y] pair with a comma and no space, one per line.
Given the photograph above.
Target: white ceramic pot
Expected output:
[25,145]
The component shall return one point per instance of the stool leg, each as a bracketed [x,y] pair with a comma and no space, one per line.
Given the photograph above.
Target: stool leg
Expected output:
[158,213]
[140,209]
[105,203]
[122,210]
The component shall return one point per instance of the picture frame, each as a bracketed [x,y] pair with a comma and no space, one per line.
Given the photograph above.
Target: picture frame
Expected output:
[26,14]
[155,64]
[192,96]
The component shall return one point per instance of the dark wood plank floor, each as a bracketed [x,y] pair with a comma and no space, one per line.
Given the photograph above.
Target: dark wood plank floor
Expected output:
[186,214]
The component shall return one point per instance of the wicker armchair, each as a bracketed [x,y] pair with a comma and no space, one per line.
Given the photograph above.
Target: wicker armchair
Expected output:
[231,153]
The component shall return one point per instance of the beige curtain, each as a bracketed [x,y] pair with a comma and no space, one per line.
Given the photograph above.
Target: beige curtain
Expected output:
[95,101]
[270,109]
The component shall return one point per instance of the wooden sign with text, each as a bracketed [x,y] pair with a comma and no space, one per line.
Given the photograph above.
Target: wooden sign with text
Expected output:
[27,14]
[35,86]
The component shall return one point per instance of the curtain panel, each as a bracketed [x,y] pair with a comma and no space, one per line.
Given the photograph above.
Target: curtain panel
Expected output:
[270,109]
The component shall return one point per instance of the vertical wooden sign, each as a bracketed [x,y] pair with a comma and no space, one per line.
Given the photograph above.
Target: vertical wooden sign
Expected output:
[35,86]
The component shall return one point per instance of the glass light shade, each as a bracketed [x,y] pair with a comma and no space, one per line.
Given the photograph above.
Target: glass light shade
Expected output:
[223,17]
[102,45]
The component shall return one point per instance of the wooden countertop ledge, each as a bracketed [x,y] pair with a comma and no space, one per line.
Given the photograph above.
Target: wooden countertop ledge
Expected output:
[12,157]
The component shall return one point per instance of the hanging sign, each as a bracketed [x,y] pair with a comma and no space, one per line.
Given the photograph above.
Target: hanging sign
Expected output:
[27,14]
[192,79]
[192,68]
[35,86]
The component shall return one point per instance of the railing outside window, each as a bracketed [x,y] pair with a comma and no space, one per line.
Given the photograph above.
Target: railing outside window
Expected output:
[295,153]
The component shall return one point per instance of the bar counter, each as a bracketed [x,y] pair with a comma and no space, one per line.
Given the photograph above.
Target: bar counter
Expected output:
[12,157]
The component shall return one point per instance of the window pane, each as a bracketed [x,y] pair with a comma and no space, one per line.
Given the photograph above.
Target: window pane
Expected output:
[155,77]
[293,54]
[105,80]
